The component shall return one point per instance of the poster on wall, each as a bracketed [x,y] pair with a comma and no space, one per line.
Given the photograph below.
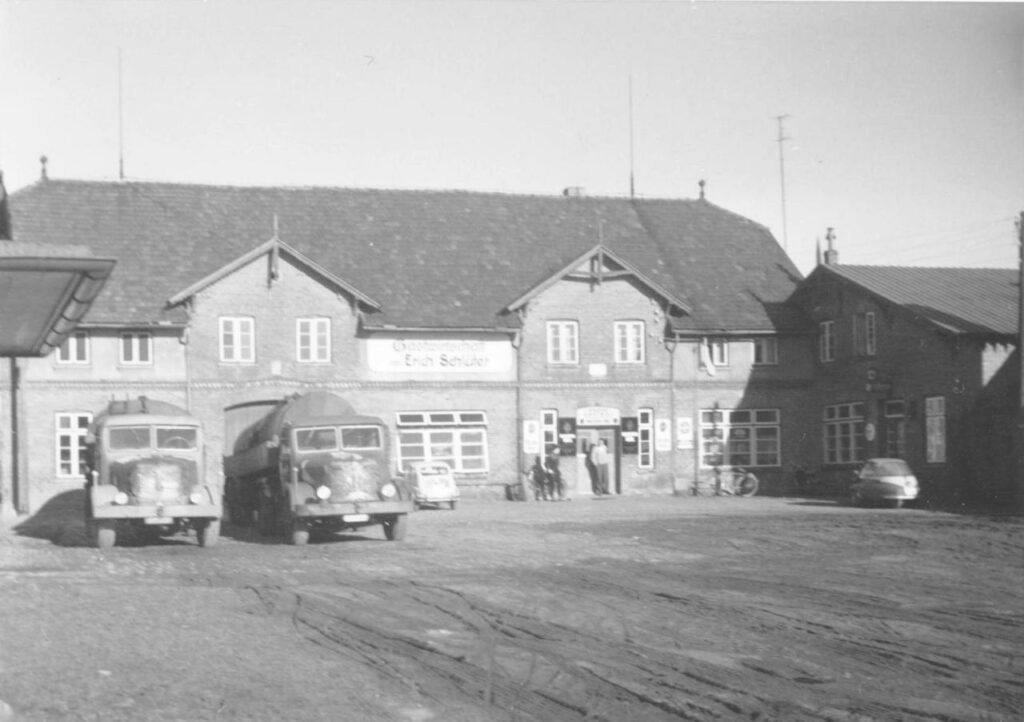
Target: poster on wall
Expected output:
[566,436]
[684,433]
[531,436]
[662,435]
[630,435]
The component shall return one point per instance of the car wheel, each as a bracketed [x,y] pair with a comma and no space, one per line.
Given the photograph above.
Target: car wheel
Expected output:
[394,529]
[451,505]
[208,532]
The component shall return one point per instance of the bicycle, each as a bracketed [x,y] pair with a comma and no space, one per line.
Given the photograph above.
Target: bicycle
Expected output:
[728,481]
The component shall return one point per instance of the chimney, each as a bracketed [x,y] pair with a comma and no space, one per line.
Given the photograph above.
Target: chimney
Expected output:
[573,192]
[701,183]
[43,160]
[5,212]
[831,254]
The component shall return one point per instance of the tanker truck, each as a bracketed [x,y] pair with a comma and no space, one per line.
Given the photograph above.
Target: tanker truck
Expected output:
[313,463]
[145,474]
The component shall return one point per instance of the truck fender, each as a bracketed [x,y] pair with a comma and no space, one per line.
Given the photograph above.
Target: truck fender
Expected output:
[102,495]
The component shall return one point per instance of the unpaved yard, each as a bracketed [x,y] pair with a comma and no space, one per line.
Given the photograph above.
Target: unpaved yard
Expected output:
[622,609]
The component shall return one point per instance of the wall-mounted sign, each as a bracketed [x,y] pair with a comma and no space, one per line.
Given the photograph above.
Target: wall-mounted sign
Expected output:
[597,371]
[684,433]
[597,416]
[438,355]
[630,435]
[566,436]
[531,436]
[662,435]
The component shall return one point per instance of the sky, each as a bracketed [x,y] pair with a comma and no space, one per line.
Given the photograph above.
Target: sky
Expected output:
[903,124]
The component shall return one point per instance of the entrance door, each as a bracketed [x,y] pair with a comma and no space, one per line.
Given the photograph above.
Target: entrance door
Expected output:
[585,439]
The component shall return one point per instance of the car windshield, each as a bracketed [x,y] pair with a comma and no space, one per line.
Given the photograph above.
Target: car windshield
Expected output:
[176,437]
[891,467]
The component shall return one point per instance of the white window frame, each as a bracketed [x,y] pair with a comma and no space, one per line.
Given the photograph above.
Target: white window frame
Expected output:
[75,349]
[766,351]
[435,432]
[741,437]
[133,346]
[645,438]
[827,341]
[239,352]
[718,350]
[870,331]
[313,339]
[843,440]
[563,341]
[935,429]
[70,429]
[548,429]
[630,346]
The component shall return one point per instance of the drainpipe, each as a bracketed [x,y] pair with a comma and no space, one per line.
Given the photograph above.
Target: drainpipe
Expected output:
[670,346]
[517,343]
[17,496]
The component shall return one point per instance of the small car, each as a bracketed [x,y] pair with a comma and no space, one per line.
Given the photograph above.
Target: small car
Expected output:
[884,481]
[432,484]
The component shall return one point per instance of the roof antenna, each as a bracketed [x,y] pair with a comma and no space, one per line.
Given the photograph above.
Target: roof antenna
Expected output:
[782,175]
[120,120]
[632,189]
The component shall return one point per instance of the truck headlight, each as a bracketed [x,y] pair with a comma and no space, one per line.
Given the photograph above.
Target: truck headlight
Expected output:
[120,498]
[388,491]
[196,497]
[323,493]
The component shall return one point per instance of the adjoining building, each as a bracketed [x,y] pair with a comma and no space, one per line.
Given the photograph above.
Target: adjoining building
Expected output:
[486,328]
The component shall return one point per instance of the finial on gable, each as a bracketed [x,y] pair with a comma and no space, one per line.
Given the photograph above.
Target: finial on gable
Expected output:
[701,183]
[43,160]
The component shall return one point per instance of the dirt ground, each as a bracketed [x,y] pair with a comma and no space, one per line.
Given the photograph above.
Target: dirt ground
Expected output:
[633,608]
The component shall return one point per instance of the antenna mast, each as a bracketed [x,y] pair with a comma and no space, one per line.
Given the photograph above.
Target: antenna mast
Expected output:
[782,177]
[632,188]
[120,120]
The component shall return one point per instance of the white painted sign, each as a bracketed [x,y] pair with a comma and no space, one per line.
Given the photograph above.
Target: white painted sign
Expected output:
[531,436]
[437,355]
[597,416]
[684,432]
[662,435]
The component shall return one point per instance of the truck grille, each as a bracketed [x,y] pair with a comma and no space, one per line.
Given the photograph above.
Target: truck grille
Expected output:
[156,481]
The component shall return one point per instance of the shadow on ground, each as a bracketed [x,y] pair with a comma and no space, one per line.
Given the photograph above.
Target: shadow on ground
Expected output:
[60,520]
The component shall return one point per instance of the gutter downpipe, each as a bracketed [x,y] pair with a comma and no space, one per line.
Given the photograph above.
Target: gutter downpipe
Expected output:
[17,497]
[517,344]
[670,346]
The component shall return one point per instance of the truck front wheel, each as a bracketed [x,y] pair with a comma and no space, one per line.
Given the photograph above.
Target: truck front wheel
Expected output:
[300,533]
[395,527]
[105,534]
[208,532]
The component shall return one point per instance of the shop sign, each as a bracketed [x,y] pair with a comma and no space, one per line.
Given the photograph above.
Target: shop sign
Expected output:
[566,436]
[684,433]
[630,435]
[597,416]
[438,355]
[662,435]
[531,436]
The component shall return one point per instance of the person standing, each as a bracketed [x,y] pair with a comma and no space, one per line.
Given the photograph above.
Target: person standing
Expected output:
[539,479]
[555,487]
[599,458]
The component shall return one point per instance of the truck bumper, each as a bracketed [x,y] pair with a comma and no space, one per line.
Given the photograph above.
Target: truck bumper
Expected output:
[373,508]
[158,514]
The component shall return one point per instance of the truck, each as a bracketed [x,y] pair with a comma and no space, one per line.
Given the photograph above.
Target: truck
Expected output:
[145,474]
[312,463]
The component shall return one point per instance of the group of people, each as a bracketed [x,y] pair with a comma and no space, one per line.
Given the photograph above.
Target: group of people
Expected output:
[546,478]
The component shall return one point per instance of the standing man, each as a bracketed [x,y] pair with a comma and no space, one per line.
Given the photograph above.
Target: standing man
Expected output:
[599,458]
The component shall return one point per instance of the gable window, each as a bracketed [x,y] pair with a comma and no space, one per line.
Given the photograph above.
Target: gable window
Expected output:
[237,339]
[563,342]
[645,438]
[75,349]
[935,429]
[864,334]
[71,429]
[457,438]
[719,350]
[827,341]
[766,351]
[870,343]
[136,349]
[740,437]
[629,342]
[844,433]
[313,340]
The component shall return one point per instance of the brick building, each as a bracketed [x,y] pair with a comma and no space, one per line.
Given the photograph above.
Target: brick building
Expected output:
[917,363]
[482,327]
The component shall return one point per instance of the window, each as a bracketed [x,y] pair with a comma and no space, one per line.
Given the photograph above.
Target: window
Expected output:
[870,343]
[645,439]
[629,342]
[826,341]
[136,349]
[71,431]
[766,351]
[75,349]
[935,429]
[457,438]
[237,340]
[895,429]
[864,334]
[313,340]
[844,433]
[548,429]
[719,350]
[563,342]
[740,437]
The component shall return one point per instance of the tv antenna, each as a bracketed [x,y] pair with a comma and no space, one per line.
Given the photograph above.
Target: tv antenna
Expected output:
[782,177]
[632,188]
[120,120]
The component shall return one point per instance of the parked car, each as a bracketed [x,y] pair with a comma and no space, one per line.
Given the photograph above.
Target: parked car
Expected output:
[432,484]
[884,481]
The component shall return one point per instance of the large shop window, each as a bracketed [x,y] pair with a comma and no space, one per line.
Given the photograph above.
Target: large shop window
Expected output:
[75,349]
[740,437]
[935,428]
[458,438]
[563,342]
[629,342]
[71,430]
[237,339]
[844,433]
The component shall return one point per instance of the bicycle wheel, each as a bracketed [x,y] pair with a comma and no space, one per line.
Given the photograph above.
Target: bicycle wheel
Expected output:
[745,484]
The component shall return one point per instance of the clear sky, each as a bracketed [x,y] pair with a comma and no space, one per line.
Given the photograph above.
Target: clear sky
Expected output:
[905,121]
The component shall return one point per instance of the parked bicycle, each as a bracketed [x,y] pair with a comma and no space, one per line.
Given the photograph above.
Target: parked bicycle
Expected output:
[726,481]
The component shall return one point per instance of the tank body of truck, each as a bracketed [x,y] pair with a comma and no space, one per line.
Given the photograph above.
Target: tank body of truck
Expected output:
[312,462]
[145,474]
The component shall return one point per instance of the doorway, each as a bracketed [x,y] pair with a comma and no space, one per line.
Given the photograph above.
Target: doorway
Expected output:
[586,437]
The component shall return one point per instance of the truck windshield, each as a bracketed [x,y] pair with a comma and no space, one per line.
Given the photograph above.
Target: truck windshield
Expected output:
[360,437]
[129,437]
[176,437]
[324,438]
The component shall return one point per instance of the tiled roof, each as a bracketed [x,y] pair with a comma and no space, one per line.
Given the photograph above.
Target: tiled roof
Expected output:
[432,259]
[960,300]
